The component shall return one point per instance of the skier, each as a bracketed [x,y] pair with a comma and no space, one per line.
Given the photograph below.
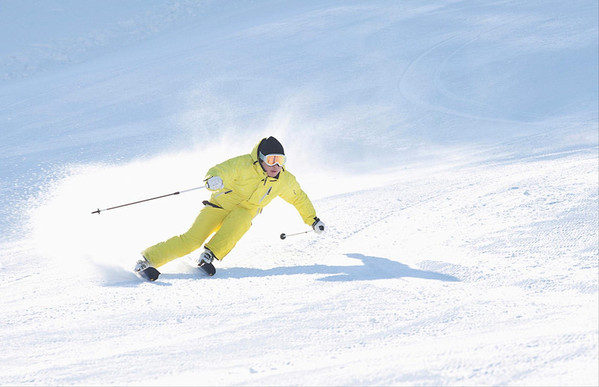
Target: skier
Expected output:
[240,187]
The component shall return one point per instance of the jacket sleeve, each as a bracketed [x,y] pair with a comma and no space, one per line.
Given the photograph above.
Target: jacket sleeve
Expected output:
[226,170]
[293,194]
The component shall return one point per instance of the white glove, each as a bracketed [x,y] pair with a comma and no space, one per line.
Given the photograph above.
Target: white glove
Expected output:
[214,183]
[318,226]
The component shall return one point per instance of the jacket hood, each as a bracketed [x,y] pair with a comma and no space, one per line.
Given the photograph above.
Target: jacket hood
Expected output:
[254,152]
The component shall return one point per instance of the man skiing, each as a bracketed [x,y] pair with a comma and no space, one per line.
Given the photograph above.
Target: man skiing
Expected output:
[241,187]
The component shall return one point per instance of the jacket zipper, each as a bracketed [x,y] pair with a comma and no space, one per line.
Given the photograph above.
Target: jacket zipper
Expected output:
[267,193]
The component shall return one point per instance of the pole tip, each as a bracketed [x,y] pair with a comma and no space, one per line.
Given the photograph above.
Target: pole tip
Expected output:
[283,236]
[96,211]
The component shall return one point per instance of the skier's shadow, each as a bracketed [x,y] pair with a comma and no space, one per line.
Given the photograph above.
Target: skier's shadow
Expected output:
[371,268]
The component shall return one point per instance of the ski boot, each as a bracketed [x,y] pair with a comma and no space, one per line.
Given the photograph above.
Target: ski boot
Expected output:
[204,262]
[145,270]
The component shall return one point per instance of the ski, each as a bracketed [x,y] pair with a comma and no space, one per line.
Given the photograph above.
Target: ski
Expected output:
[150,273]
[207,268]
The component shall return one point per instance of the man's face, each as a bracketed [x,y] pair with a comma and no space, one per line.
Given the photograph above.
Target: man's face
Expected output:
[271,171]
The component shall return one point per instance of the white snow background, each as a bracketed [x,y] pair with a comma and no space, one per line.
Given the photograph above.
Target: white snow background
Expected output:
[451,147]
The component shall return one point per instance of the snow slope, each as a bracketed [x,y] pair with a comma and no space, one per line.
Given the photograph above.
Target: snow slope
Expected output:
[451,147]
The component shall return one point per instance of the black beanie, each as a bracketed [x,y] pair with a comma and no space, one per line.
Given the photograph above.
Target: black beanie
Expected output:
[270,146]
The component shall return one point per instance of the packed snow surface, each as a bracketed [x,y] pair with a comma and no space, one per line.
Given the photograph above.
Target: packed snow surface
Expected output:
[450,147]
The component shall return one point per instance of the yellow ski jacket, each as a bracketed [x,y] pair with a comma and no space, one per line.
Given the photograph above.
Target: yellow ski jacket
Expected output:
[248,186]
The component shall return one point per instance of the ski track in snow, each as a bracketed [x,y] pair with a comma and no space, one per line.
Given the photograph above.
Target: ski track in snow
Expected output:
[461,202]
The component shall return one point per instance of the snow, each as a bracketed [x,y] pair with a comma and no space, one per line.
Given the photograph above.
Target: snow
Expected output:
[450,147]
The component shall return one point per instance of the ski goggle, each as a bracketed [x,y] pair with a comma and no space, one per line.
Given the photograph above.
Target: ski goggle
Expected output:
[272,160]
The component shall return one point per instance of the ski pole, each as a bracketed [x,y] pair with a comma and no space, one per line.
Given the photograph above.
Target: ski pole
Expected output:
[283,235]
[146,200]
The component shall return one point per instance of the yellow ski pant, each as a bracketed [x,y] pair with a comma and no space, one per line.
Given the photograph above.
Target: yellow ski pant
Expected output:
[228,226]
